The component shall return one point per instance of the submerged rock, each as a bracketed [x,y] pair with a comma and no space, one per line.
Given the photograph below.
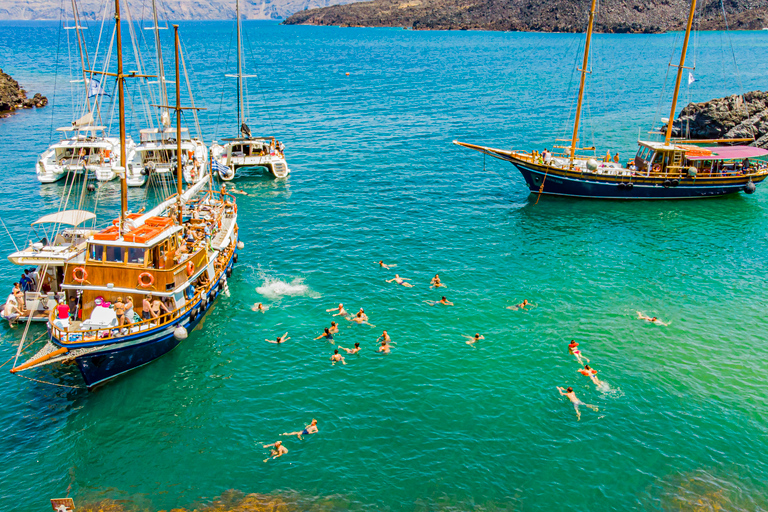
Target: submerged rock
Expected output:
[13,97]
[733,117]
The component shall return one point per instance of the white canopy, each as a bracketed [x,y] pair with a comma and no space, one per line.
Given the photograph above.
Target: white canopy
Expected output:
[69,217]
[81,129]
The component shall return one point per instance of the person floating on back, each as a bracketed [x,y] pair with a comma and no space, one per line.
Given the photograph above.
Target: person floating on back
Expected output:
[401,280]
[280,339]
[384,265]
[351,350]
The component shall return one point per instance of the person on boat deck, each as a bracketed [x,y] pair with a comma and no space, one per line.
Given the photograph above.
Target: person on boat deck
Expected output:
[607,157]
[157,306]
[547,156]
[25,283]
[119,309]
[129,310]
[62,315]
[18,295]
[11,310]
[616,158]
[146,307]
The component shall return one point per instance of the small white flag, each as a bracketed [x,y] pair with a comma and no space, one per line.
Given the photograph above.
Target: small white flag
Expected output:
[690,78]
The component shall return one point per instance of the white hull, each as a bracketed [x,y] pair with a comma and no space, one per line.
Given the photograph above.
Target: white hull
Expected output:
[240,164]
[155,158]
[91,158]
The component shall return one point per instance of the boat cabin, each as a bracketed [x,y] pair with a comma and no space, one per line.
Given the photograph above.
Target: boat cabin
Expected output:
[686,158]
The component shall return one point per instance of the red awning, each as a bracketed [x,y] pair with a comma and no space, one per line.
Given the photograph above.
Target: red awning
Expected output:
[725,153]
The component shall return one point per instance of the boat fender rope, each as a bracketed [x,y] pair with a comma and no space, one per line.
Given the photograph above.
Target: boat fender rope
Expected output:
[79,271]
[143,283]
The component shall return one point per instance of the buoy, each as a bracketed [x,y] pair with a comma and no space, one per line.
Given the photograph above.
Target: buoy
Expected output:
[750,187]
[592,164]
[180,333]
[91,187]
[240,245]
[347,73]
[692,172]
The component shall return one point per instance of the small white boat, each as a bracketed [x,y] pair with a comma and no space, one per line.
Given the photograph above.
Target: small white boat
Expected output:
[156,154]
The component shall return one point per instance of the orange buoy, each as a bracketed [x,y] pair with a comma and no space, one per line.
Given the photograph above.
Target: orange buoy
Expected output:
[190,268]
[79,274]
[143,282]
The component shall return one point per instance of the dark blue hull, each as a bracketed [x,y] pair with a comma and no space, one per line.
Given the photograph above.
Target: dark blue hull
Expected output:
[134,351]
[575,185]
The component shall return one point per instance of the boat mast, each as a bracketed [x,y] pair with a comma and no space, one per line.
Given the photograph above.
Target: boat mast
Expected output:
[160,66]
[239,69]
[178,120]
[584,65]
[680,68]
[121,108]
[84,60]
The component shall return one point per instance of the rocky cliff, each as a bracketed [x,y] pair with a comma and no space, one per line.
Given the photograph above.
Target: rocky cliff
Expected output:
[733,117]
[544,16]
[172,9]
[13,97]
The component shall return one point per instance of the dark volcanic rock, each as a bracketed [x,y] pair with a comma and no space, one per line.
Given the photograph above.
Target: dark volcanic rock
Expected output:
[618,16]
[12,96]
[733,117]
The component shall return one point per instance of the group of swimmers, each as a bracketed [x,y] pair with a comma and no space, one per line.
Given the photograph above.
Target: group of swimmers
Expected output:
[277,449]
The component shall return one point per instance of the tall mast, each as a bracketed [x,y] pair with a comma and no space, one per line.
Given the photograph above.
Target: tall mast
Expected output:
[239,69]
[159,51]
[680,68]
[84,61]
[584,65]
[121,108]
[178,119]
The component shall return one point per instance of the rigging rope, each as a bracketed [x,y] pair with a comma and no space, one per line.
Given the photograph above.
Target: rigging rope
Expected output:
[223,88]
[55,78]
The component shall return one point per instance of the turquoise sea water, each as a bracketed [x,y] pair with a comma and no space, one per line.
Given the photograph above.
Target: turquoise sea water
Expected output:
[436,424]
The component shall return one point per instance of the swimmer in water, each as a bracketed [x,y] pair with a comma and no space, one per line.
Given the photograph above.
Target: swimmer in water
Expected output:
[384,348]
[336,357]
[280,339]
[401,280]
[334,328]
[278,450]
[522,306]
[576,352]
[384,337]
[360,318]
[652,320]
[575,401]
[592,374]
[384,265]
[259,307]
[474,339]
[233,190]
[309,429]
[340,311]
[351,350]
[327,335]
[435,282]
[443,301]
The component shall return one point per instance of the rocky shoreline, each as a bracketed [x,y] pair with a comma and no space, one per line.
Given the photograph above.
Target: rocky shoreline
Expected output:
[733,117]
[614,16]
[13,97]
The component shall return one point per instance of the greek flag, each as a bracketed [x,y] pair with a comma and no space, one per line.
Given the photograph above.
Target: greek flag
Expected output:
[95,89]
[222,169]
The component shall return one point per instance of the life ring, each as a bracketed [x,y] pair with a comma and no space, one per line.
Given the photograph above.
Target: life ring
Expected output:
[143,283]
[190,268]
[82,278]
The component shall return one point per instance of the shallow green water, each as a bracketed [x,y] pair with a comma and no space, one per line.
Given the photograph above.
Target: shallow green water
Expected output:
[436,424]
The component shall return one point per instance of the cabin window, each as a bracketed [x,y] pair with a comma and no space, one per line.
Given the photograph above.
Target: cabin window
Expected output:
[115,254]
[97,253]
[136,255]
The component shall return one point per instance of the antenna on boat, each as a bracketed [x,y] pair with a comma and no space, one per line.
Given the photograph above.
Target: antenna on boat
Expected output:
[584,66]
[680,69]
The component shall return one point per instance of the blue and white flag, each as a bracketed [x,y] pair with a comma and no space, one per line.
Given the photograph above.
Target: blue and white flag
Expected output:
[690,78]
[95,89]
[222,169]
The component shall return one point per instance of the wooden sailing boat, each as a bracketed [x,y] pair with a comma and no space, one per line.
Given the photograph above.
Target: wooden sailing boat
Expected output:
[660,170]
[246,154]
[178,255]
[86,150]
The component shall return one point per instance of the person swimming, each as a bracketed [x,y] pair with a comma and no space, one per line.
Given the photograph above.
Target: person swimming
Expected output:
[334,328]
[351,350]
[436,283]
[280,339]
[259,307]
[576,352]
[384,348]
[278,450]
[592,374]
[384,265]
[326,334]
[401,281]
[385,337]
[360,318]
[336,357]
[474,339]
[443,301]
[340,311]
[522,306]
[575,401]
[309,429]
[652,320]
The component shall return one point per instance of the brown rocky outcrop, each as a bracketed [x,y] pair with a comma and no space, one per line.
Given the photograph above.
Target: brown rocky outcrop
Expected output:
[617,16]
[732,117]
[13,97]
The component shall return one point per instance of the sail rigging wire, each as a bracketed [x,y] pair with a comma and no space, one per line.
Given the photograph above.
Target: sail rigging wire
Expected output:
[182,47]
[736,67]
[657,113]
[56,70]
[261,89]
[223,89]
